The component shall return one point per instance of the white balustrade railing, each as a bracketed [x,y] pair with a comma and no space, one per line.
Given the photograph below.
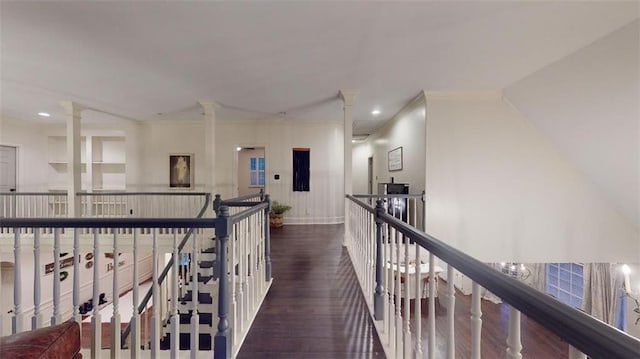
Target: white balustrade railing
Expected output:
[113,260]
[102,204]
[33,204]
[141,204]
[390,260]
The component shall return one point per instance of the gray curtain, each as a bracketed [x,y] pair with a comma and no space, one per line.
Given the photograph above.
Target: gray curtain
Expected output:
[601,284]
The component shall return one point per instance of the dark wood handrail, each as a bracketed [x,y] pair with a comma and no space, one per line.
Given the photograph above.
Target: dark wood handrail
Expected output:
[588,334]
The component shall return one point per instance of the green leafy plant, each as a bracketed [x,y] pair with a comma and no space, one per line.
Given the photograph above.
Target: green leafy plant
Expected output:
[279,208]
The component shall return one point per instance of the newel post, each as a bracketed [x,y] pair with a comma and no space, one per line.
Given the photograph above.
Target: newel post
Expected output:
[222,340]
[378,296]
[216,204]
[267,239]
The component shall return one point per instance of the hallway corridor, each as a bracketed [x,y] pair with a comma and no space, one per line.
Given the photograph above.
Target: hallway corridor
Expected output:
[314,308]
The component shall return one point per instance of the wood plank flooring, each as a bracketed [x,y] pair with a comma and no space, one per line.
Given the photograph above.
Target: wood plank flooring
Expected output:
[315,310]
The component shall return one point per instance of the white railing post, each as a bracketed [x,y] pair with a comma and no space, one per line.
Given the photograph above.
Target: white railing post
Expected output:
[432,308]
[134,348]
[242,241]
[173,310]
[96,321]
[418,304]
[56,318]
[155,310]
[76,277]
[17,322]
[397,324]
[115,318]
[451,314]
[36,321]
[514,345]
[407,289]
[476,321]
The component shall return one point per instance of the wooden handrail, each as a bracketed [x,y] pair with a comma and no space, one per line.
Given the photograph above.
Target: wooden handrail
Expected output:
[589,335]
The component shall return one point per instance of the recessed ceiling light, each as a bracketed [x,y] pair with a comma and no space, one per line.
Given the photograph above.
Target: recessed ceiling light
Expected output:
[238,148]
[44,114]
[375,112]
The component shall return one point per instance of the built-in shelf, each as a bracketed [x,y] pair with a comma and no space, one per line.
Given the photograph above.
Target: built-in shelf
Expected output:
[103,163]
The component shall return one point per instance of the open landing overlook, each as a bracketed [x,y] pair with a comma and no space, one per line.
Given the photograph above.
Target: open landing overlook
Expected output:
[315,309]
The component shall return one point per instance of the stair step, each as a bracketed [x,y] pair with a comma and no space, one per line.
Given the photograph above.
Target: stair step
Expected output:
[203,298]
[203,318]
[207,264]
[209,250]
[204,341]
[204,278]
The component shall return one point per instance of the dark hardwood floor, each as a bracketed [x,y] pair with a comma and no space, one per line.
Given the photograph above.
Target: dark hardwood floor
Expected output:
[315,310]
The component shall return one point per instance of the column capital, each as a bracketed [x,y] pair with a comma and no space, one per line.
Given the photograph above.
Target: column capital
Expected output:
[72,108]
[348,96]
[209,107]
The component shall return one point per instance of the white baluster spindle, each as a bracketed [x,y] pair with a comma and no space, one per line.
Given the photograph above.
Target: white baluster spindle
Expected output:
[36,321]
[514,345]
[451,314]
[115,318]
[96,320]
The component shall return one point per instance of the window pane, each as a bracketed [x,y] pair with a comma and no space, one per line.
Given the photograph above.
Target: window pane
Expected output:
[261,163]
[252,162]
[261,177]
[254,178]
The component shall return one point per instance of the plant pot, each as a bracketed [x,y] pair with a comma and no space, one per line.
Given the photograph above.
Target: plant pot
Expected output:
[276,220]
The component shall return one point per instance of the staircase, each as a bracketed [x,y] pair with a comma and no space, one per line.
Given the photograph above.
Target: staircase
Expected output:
[206,275]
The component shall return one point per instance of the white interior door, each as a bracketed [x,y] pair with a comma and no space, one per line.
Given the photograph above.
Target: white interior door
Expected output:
[6,299]
[7,169]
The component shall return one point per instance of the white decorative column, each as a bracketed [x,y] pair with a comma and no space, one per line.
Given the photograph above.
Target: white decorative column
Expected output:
[209,108]
[347,98]
[74,165]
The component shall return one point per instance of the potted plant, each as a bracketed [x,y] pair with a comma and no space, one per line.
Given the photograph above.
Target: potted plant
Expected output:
[277,213]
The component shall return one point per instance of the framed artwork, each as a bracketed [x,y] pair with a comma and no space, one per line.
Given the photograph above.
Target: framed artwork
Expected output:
[181,171]
[395,159]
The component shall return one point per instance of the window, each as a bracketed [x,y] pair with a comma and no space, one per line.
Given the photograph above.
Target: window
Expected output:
[564,281]
[301,157]
[256,169]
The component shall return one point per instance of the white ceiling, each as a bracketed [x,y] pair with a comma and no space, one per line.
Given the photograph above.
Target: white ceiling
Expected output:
[137,59]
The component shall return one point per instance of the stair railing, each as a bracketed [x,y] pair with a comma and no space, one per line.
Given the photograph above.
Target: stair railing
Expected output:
[236,204]
[165,272]
[242,260]
[381,249]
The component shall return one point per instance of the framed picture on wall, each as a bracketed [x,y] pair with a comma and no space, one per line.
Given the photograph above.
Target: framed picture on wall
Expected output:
[181,171]
[395,159]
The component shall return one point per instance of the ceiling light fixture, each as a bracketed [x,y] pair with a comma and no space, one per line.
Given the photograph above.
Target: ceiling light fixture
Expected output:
[238,149]
[44,114]
[375,112]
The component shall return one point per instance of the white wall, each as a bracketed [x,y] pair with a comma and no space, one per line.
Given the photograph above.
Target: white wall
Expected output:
[324,202]
[500,191]
[588,104]
[160,139]
[405,130]
[31,142]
